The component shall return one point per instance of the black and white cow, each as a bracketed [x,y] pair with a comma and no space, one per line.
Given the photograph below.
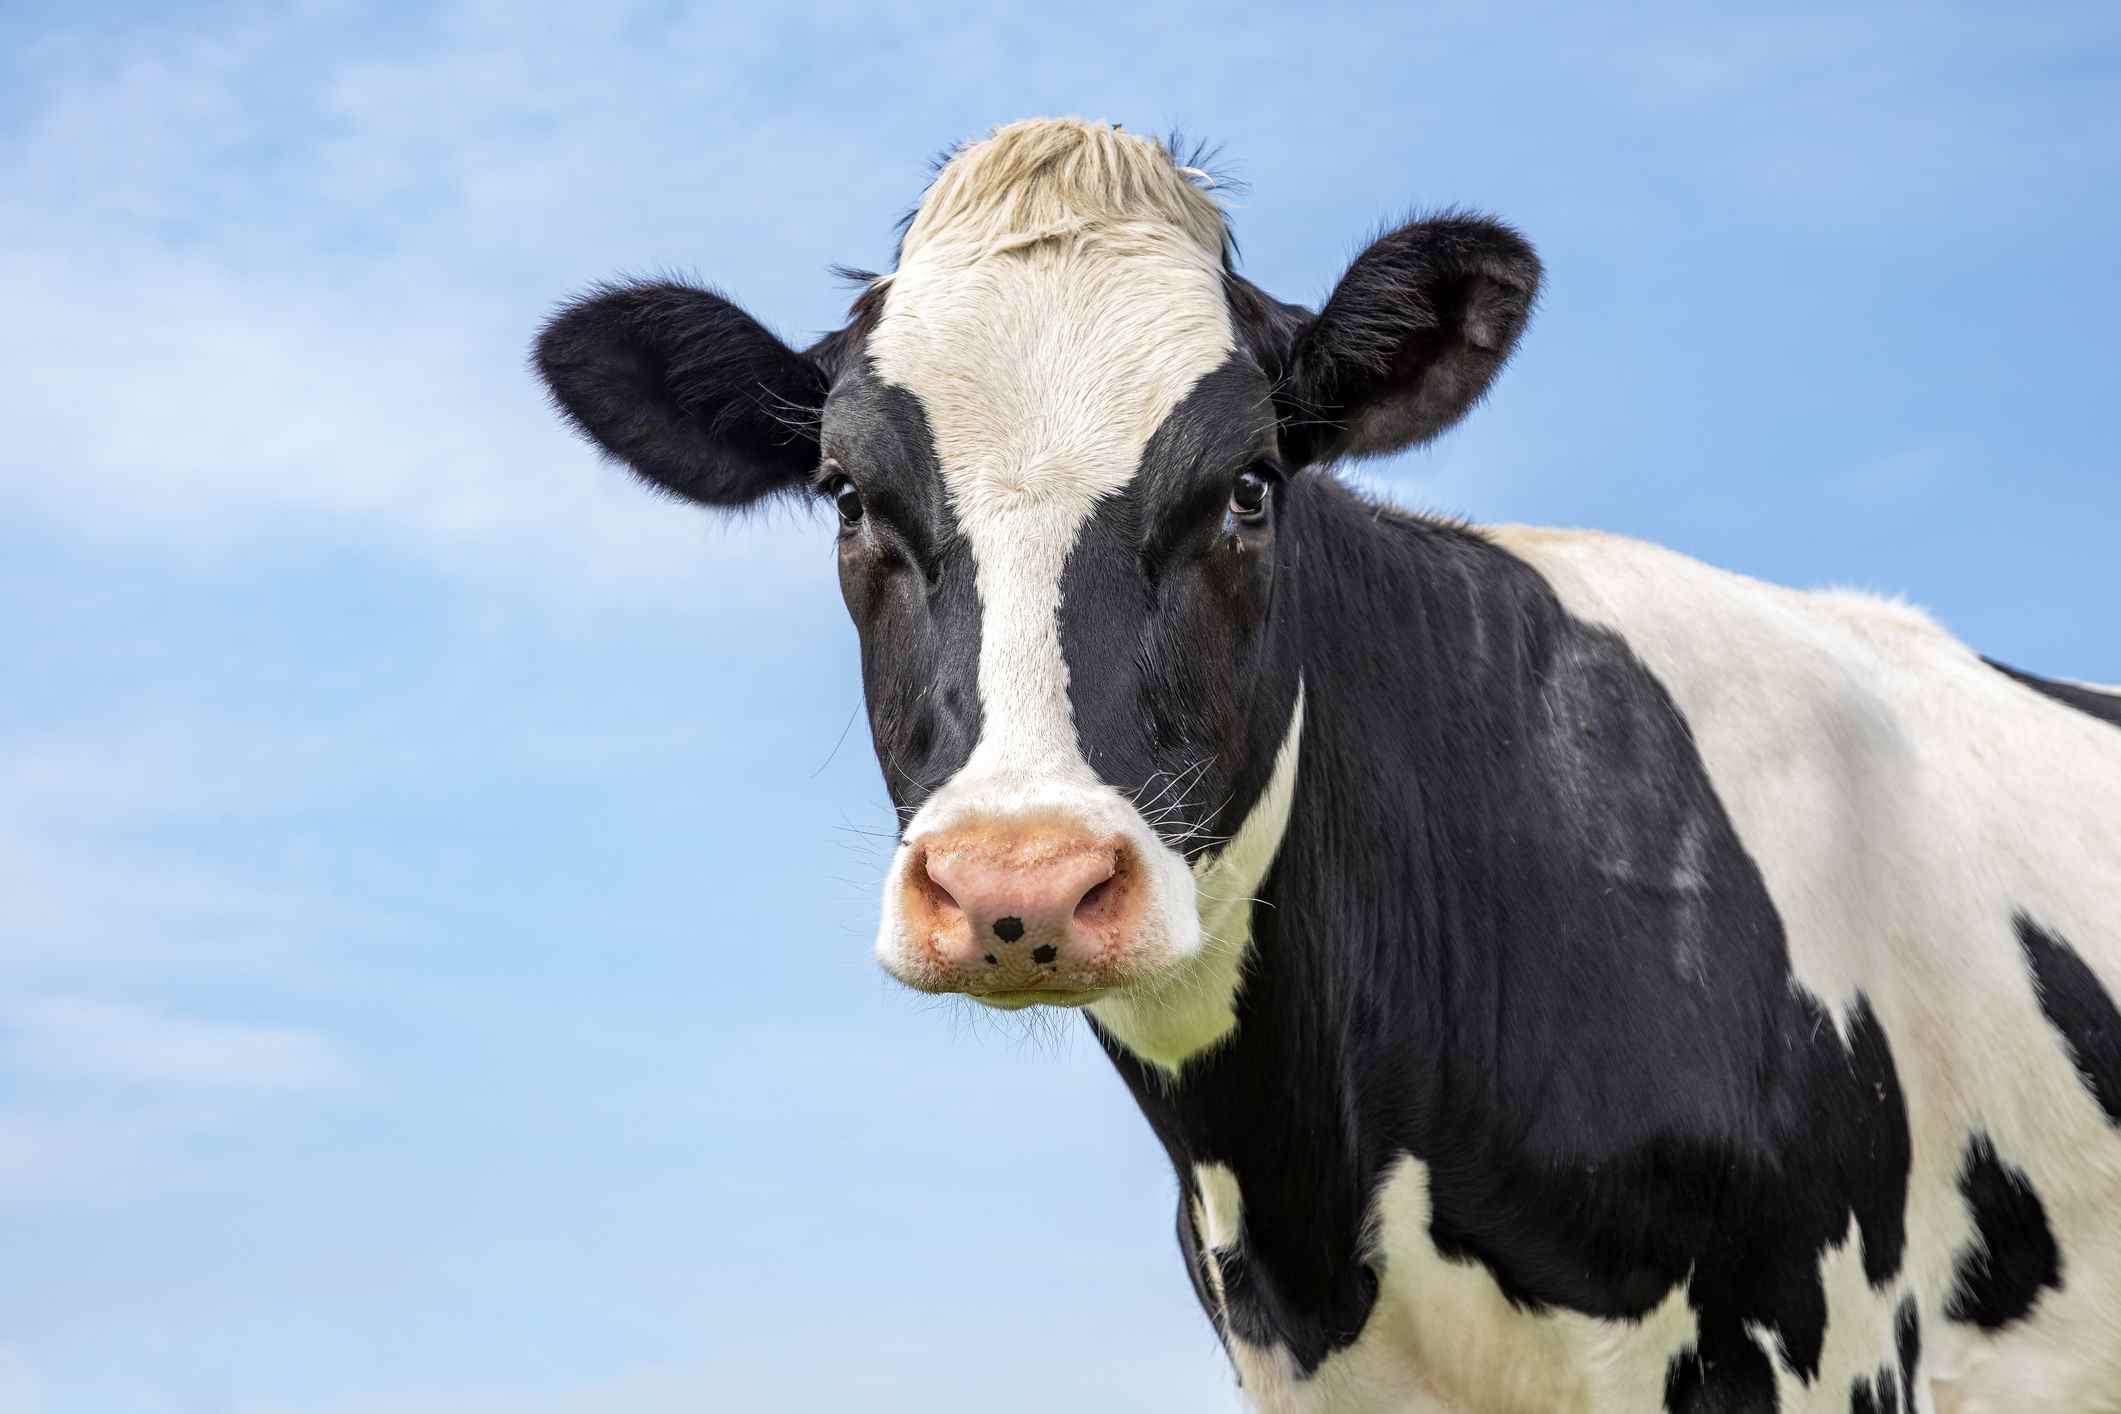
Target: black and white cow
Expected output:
[1566,977]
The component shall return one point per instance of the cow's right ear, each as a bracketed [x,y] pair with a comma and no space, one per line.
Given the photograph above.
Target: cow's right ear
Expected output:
[687,389]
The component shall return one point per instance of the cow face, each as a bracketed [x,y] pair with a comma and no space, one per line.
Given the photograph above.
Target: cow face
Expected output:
[1062,442]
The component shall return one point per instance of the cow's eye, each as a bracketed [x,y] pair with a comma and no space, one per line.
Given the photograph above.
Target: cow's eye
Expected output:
[846,498]
[1248,495]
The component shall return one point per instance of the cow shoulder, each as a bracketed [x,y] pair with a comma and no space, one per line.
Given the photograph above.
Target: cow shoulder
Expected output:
[1945,843]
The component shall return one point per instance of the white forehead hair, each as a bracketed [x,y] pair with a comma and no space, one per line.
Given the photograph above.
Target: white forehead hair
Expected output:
[1048,178]
[1059,291]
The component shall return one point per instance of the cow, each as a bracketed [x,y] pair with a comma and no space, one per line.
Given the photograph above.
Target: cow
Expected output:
[1564,976]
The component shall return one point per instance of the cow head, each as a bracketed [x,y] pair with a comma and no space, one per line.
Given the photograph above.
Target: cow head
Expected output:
[1065,445]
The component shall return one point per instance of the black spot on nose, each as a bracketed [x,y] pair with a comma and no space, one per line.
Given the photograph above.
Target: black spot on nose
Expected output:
[1008,929]
[992,961]
[1044,952]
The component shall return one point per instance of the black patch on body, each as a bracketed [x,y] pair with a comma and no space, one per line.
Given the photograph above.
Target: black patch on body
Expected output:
[1999,1278]
[1736,1379]
[1512,932]
[1891,1390]
[2080,1009]
[1879,1394]
[2106,706]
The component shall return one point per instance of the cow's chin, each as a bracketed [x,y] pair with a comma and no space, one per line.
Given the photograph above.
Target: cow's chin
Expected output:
[1021,1001]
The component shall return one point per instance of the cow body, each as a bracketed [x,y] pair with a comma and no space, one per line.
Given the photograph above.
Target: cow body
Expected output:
[1644,1008]
[1564,977]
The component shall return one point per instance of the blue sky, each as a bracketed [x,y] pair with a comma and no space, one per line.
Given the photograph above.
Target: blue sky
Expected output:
[433,907]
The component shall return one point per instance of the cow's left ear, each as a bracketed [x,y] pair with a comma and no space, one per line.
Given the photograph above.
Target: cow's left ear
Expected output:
[1410,340]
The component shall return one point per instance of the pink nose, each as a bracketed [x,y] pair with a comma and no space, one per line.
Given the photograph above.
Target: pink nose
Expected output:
[1023,909]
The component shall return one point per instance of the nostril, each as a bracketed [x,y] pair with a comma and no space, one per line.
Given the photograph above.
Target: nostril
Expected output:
[1096,903]
[1089,903]
[940,898]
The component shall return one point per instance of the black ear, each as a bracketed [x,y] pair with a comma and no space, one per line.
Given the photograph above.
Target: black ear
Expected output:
[1412,337]
[685,388]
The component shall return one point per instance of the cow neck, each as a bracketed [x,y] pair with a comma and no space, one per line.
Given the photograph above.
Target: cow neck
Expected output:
[1367,984]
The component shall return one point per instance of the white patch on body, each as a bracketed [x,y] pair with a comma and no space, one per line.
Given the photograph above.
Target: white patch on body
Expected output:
[1903,800]
[1221,1215]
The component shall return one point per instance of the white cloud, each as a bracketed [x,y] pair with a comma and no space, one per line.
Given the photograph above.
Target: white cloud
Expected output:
[854,1374]
[122,1041]
[272,282]
[18,1382]
[190,413]
[119,1099]
[74,906]
[263,294]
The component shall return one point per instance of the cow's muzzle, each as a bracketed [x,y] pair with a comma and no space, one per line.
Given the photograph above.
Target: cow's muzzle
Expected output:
[1017,912]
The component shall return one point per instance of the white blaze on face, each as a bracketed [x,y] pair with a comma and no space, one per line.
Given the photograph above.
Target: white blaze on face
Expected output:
[1058,294]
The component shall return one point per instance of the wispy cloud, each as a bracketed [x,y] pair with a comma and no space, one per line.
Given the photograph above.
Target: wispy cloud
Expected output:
[866,1373]
[120,1100]
[181,379]
[147,1045]
[18,1381]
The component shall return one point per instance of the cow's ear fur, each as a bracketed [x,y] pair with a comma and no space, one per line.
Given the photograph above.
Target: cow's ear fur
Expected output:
[1410,340]
[687,389]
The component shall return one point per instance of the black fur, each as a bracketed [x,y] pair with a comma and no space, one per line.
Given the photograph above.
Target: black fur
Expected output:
[1892,1390]
[1512,933]
[2105,706]
[1409,341]
[2080,1009]
[909,587]
[1878,1394]
[839,353]
[1268,328]
[1907,1341]
[1167,604]
[1999,1278]
[687,389]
